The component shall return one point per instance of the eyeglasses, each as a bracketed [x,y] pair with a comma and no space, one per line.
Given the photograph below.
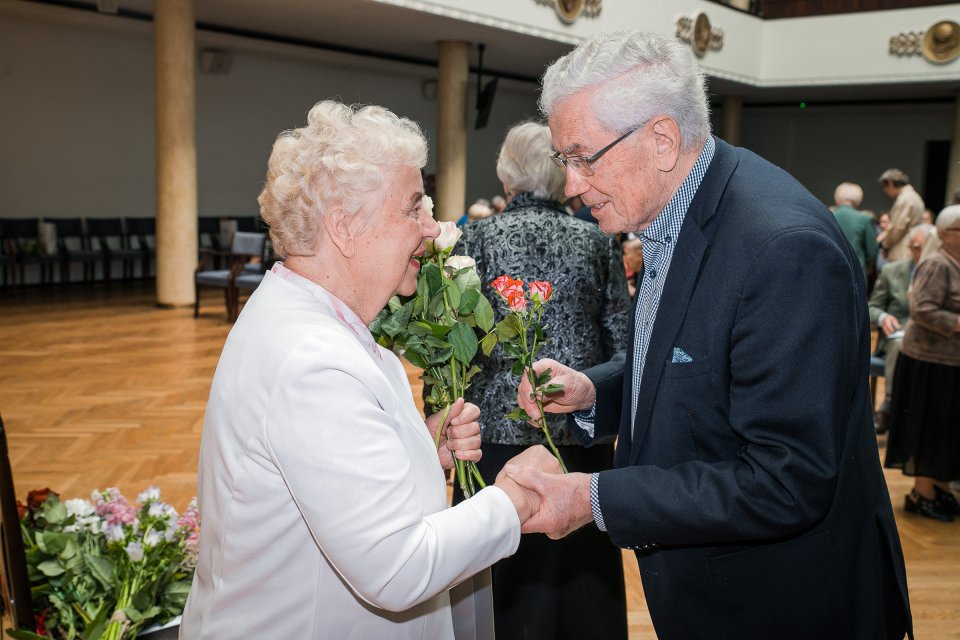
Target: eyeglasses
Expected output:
[582,165]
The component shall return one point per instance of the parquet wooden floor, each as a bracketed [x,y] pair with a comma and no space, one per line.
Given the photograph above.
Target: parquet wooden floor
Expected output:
[100,388]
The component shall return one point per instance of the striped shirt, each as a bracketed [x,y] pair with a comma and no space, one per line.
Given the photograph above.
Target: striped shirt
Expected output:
[659,240]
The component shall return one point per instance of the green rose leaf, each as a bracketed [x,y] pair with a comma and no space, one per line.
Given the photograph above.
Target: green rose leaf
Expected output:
[464,342]
[517,368]
[483,312]
[544,377]
[467,279]
[101,568]
[553,388]
[488,343]
[468,301]
[452,291]
[398,321]
[50,568]
[433,275]
[54,511]
[518,414]
[437,307]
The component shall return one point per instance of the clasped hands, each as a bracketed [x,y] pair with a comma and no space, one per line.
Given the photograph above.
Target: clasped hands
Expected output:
[547,500]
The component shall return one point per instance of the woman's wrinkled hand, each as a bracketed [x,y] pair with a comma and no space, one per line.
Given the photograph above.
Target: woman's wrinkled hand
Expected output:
[461,435]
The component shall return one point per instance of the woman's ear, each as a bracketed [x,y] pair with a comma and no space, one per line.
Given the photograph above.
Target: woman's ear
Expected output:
[337,224]
[666,137]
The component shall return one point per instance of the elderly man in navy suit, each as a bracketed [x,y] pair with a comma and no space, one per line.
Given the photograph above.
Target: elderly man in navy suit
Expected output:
[747,477]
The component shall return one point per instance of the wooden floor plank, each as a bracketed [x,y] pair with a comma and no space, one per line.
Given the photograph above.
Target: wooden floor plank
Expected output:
[99,387]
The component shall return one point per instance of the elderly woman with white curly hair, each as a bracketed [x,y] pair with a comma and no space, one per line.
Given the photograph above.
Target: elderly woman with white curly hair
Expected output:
[322,497]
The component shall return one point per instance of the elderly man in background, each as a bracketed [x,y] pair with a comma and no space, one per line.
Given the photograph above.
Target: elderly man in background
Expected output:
[906,213]
[857,226]
[890,310]
[747,479]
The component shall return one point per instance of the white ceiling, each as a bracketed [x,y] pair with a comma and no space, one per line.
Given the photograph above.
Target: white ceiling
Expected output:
[385,29]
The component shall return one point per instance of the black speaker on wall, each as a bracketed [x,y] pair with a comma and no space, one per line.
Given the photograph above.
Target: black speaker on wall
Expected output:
[485,94]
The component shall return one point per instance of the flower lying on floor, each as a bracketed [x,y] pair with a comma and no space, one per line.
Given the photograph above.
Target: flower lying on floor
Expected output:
[102,569]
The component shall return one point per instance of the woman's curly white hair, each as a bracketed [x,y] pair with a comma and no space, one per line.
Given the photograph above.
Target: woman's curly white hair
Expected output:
[338,159]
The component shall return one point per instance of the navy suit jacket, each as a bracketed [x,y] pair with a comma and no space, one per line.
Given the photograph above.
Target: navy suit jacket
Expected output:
[750,484]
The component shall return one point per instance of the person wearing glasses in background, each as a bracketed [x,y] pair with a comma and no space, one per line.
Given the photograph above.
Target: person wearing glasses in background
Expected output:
[747,479]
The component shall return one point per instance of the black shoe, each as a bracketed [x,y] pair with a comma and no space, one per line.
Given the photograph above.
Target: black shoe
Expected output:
[916,503]
[946,502]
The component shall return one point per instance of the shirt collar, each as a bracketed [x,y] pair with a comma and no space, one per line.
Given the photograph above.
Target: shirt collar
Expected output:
[666,225]
[344,314]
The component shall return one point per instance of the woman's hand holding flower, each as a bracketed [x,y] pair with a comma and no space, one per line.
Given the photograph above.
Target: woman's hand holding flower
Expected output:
[462,437]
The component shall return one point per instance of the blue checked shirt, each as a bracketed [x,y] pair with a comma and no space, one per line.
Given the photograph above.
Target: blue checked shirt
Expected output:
[659,239]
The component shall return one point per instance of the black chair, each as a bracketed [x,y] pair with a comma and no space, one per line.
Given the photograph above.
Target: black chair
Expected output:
[15,583]
[245,246]
[246,223]
[74,244]
[7,265]
[208,232]
[20,240]
[106,235]
[142,235]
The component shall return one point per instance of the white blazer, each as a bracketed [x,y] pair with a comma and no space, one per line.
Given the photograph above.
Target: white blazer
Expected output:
[322,501]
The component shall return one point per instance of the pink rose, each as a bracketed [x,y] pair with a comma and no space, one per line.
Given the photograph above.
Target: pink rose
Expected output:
[541,290]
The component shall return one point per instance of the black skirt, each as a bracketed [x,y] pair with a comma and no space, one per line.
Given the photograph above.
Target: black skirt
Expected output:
[924,435]
[568,589]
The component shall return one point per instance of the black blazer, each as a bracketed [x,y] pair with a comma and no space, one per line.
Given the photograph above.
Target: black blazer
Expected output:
[750,484]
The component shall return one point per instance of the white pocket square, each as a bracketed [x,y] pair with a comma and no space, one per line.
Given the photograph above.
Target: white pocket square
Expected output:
[680,356]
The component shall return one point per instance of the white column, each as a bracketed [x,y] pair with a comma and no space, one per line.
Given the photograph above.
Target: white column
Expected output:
[173,47]
[452,75]
[732,117]
[953,170]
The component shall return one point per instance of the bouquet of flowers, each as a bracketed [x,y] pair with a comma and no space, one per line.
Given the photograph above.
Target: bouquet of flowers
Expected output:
[522,335]
[102,569]
[436,329]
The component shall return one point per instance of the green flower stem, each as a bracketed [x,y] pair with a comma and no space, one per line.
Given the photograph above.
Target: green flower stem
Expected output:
[542,422]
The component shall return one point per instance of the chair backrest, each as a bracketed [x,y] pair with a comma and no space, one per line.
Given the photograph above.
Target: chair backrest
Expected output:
[68,227]
[245,223]
[209,227]
[19,228]
[15,583]
[246,243]
[141,226]
[103,229]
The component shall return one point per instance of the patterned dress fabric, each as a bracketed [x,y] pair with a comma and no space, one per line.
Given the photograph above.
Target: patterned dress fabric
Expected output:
[586,319]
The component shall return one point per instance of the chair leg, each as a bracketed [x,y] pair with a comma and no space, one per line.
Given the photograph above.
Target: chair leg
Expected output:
[196,301]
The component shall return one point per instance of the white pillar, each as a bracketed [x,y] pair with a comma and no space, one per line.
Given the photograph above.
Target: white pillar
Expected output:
[173,48]
[953,170]
[732,117]
[452,75]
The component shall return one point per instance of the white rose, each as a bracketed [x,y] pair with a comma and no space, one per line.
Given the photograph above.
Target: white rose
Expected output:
[427,203]
[460,262]
[449,234]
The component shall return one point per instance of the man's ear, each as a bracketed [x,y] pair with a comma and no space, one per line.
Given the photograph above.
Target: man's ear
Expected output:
[666,137]
[338,225]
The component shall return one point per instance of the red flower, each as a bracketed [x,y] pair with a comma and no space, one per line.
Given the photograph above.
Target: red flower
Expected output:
[541,289]
[516,300]
[41,622]
[37,497]
[503,284]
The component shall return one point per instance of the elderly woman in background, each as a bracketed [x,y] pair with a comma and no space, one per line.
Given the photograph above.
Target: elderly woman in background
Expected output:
[322,496]
[925,418]
[570,588]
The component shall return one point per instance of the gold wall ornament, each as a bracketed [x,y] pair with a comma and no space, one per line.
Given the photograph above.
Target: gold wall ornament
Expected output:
[698,31]
[941,44]
[909,43]
[569,10]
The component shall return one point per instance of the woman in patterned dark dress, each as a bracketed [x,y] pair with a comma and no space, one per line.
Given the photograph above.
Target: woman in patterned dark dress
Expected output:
[569,588]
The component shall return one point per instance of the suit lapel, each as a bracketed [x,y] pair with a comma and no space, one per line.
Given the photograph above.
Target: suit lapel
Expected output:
[682,277]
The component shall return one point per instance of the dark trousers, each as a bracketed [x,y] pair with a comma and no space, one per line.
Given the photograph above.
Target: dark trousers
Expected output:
[569,589]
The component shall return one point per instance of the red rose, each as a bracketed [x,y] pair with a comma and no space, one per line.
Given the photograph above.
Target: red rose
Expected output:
[541,289]
[501,283]
[516,300]
[37,497]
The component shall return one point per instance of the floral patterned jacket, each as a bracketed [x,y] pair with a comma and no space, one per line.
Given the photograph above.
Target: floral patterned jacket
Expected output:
[587,318]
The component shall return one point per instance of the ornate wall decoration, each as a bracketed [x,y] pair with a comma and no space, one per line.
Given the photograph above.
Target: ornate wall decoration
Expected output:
[570,10]
[941,44]
[698,31]
[938,44]
[906,44]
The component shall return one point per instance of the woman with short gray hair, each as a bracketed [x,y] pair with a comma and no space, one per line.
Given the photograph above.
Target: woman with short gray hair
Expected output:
[322,496]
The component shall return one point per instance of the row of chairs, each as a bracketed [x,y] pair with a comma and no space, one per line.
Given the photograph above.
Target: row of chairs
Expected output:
[91,241]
